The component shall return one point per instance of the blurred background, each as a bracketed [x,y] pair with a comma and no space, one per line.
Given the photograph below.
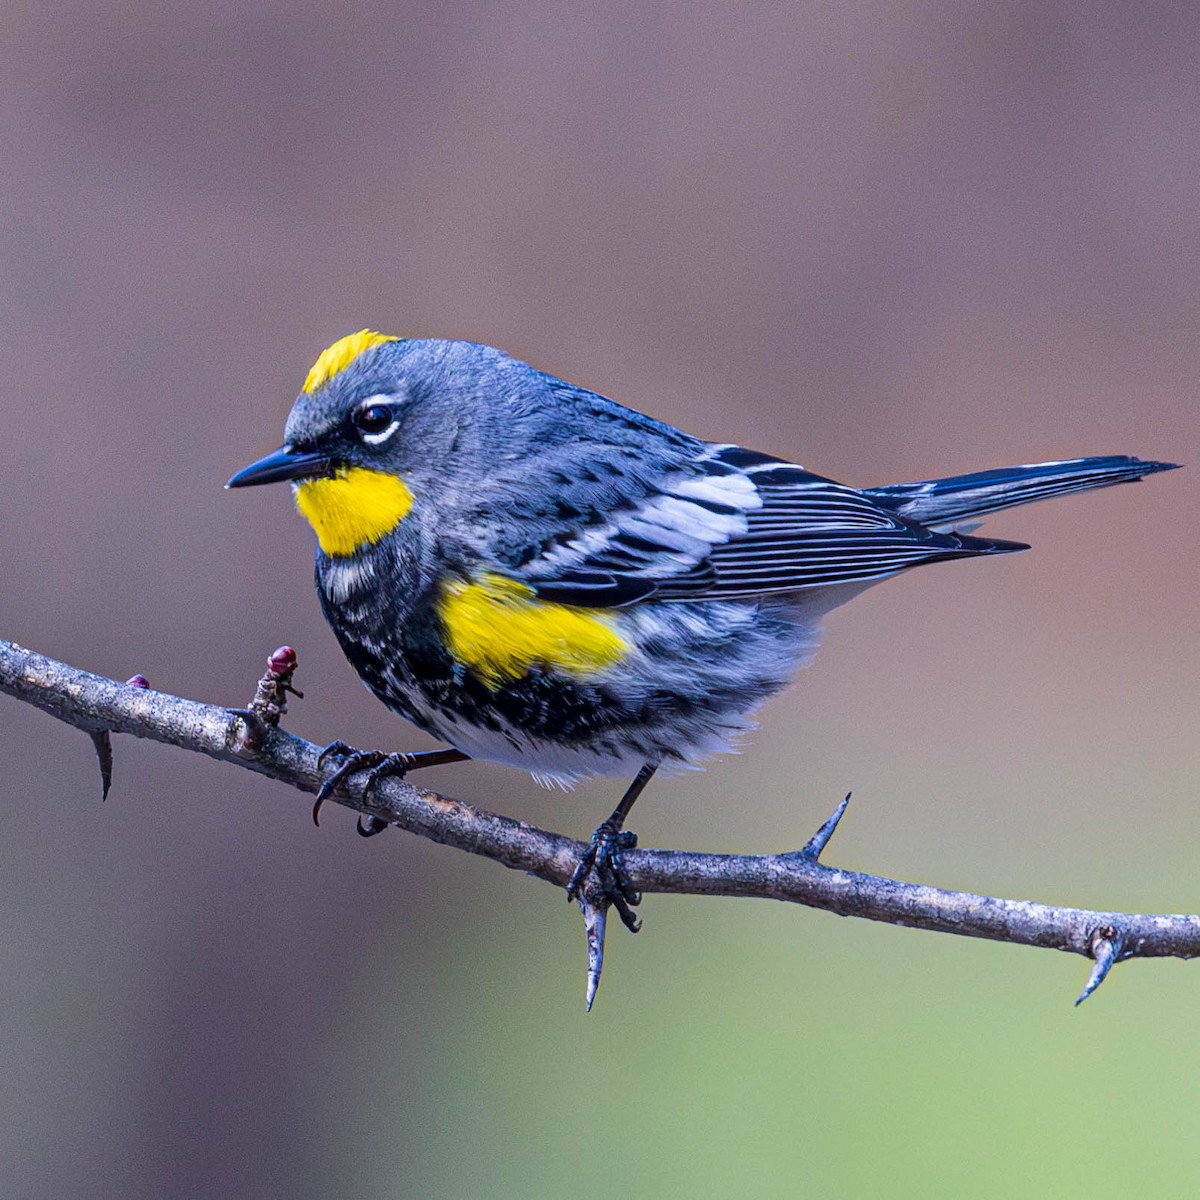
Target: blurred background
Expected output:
[889,240]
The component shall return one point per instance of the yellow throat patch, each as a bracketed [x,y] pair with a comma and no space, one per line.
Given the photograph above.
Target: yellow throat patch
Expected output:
[336,358]
[498,628]
[356,507]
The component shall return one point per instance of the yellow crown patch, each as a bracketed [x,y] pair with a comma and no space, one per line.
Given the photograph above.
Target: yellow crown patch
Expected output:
[341,354]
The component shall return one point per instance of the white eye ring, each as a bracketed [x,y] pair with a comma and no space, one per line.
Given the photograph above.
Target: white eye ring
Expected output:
[375,419]
[374,439]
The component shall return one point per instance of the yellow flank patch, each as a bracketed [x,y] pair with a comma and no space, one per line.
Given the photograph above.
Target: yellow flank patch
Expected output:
[353,508]
[498,628]
[341,354]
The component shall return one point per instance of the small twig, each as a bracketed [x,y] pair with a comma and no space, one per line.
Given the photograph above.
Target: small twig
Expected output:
[270,697]
[91,702]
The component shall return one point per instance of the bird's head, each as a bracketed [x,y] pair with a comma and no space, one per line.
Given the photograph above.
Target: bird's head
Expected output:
[382,422]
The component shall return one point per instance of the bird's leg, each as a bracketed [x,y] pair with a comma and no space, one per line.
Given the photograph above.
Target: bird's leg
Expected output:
[379,766]
[603,856]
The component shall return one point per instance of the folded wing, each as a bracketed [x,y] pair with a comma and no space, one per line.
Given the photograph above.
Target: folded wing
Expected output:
[733,524]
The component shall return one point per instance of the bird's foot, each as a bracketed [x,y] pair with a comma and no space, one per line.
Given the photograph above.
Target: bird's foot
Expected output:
[603,859]
[376,763]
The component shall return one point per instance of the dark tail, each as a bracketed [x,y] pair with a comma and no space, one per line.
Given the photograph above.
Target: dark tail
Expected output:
[937,503]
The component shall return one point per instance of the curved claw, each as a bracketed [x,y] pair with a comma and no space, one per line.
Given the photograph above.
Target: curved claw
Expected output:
[391,766]
[379,766]
[352,762]
[336,749]
[368,826]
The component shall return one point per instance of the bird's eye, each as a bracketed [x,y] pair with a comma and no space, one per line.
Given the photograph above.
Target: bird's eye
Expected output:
[373,418]
[375,421]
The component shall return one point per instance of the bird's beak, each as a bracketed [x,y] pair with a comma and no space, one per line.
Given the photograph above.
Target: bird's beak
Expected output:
[284,463]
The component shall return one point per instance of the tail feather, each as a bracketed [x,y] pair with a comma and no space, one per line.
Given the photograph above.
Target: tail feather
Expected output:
[939,503]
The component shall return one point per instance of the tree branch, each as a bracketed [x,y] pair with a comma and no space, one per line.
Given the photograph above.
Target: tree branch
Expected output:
[250,738]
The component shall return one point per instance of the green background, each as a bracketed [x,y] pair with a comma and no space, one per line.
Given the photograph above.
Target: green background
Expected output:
[890,241]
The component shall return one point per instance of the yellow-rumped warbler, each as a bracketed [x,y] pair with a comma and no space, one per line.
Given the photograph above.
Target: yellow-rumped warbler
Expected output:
[544,578]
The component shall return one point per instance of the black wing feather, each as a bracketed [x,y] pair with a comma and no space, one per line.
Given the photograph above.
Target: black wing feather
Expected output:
[739,524]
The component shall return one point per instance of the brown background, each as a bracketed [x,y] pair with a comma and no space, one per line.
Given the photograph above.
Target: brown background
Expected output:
[890,240]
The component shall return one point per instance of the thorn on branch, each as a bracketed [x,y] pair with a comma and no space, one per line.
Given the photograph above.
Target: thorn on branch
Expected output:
[102,741]
[1105,944]
[270,697]
[819,840]
[595,923]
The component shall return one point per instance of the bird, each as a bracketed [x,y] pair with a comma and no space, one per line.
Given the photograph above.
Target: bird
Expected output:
[541,577]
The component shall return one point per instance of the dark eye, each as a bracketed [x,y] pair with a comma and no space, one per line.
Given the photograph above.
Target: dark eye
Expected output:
[374,418]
